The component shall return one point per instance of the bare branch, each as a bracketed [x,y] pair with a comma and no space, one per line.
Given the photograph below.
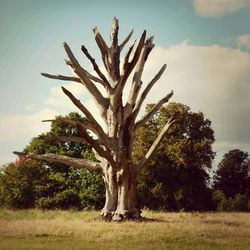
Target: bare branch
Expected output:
[94,78]
[114,53]
[138,50]
[127,55]
[136,84]
[100,41]
[97,146]
[102,46]
[61,77]
[72,162]
[78,104]
[153,111]
[85,125]
[114,33]
[126,40]
[84,77]
[84,138]
[96,68]
[73,78]
[155,145]
[101,134]
[129,66]
[146,91]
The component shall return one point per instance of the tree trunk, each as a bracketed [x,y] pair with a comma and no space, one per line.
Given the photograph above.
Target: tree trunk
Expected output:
[121,194]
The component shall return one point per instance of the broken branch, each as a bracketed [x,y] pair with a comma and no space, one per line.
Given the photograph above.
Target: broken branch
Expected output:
[72,162]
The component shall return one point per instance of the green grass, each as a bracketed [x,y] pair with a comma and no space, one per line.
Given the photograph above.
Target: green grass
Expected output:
[35,229]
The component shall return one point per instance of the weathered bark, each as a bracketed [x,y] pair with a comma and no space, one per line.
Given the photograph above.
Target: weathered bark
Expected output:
[113,146]
[121,194]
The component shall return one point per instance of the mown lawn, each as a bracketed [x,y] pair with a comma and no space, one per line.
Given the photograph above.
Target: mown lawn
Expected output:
[35,229]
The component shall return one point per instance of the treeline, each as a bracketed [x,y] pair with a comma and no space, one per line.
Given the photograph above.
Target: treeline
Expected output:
[177,178]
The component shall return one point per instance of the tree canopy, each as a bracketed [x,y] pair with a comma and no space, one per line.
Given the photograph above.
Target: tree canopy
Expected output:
[176,177]
[232,176]
[55,185]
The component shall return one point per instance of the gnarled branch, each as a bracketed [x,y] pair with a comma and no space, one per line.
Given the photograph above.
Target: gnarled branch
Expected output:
[101,101]
[105,153]
[61,77]
[79,105]
[99,131]
[102,46]
[72,162]
[136,84]
[105,82]
[72,78]
[129,66]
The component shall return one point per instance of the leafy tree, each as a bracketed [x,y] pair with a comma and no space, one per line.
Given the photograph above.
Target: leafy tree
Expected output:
[32,183]
[18,183]
[176,177]
[239,202]
[231,176]
[66,187]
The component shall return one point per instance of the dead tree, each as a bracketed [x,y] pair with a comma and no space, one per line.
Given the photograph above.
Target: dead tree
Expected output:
[113,146]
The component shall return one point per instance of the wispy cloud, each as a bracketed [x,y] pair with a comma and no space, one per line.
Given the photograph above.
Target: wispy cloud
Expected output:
[218,8]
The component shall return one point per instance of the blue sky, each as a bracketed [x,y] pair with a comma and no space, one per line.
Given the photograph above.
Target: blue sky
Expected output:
[206,45]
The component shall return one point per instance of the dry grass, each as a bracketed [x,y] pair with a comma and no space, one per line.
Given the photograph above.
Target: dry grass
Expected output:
[34,229]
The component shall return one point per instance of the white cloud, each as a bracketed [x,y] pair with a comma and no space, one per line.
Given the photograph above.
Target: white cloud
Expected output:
[58,99]
[16,130]
[217,8]
[15,127]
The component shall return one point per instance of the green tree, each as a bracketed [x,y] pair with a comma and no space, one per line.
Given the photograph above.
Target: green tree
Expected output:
[176,177]
[32,183]
[231,176]
[18,183]
[66,187]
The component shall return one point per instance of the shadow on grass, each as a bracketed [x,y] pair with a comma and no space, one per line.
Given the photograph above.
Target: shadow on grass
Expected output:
[139,220]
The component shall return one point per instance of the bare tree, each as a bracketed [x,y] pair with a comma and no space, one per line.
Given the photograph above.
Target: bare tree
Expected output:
[113,146]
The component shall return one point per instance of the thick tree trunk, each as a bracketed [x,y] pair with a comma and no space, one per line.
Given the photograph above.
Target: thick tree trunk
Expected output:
[121,194]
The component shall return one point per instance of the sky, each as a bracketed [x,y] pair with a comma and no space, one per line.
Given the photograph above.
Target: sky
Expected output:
[206,45]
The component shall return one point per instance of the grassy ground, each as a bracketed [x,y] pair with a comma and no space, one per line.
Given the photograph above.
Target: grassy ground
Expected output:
[34,229]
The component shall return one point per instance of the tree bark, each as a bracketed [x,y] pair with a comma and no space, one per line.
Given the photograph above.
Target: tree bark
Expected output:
[121,194]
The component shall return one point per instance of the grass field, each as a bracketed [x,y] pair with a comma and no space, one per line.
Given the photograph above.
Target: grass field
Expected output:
[34,229]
